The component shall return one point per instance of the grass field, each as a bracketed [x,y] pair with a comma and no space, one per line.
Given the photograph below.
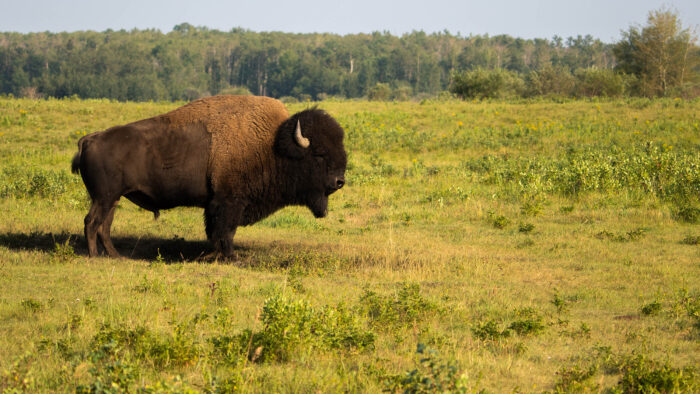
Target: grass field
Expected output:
[499,246]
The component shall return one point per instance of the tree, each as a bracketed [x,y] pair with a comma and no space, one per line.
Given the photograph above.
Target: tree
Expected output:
[662,55]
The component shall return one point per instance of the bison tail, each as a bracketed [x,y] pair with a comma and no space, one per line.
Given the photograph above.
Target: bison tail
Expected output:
[75,164]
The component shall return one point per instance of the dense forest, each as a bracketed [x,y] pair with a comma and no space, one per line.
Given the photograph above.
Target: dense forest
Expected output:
[659,59]
[190,62]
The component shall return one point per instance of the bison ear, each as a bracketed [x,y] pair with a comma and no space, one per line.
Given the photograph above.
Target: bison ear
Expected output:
[290,141]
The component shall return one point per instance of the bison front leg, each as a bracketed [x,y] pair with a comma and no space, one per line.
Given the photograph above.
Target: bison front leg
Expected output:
[221,219]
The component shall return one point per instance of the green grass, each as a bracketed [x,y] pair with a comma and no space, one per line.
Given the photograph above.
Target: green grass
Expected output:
[533,246]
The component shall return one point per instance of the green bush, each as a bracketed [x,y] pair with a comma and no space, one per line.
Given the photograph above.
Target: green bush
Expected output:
[688,214]
[32,305]
[490,330]
[526,227]
[691,240]
[113,376]
[63,252]
[405,307]
[482,83]
[596,82]
[550,82]
[289,325]
[379,92]
[651,309]
[529,326]
[21,182]
[643,375]
[434,374]
[402,92]
[576,379]
[180,348]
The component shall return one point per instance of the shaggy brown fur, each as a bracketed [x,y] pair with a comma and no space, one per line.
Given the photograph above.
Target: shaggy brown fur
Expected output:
[242,132]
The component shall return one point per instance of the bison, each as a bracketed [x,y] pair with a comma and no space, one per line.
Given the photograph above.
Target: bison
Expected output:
[241,158]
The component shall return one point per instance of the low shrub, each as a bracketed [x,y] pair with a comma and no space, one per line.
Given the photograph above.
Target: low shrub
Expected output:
[550,82]
[490,330]
[641,374]
[290,325]
[21,182]
[405,307]
[434,374]
[482,83]
[652,308]
[599,82]
[576,379]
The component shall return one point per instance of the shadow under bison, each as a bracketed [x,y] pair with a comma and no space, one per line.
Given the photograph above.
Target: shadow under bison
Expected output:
[274,255]
[171,250]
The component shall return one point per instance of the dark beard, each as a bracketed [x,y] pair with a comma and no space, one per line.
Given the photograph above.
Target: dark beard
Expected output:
[319,206]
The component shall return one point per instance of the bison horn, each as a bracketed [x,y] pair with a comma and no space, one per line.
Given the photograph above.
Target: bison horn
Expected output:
[300,139]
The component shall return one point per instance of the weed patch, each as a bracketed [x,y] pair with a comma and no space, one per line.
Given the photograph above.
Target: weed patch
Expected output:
[291,325]
[691,240]
[23,182]
[490,330]
[652,308]
[63,252]
[499,221]
[687,214]
[641,374]
[112,376]
[561,303]
[31,305]
[402,309]
[434,374]
[582,331]
[153,286]
[528,325]
[576,379]
[526,227]
[638,374]
[532,207]
[630,236]
[180,348]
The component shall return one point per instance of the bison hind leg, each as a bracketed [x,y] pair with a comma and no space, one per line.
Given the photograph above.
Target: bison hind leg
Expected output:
[103,232]
[97,223]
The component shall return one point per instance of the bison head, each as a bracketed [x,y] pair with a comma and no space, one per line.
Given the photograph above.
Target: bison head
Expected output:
[312,143]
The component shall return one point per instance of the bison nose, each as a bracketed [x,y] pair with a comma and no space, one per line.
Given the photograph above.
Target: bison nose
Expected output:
[339,182]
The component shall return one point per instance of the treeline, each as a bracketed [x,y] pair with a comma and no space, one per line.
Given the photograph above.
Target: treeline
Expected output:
[191,62]
[659,59]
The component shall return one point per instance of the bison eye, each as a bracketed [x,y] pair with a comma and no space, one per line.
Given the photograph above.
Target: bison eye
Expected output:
[321,160]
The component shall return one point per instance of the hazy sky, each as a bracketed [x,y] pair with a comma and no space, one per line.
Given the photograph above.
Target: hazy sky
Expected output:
[527,19]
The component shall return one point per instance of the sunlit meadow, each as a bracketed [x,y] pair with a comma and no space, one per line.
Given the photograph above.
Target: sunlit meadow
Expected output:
[501,246]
